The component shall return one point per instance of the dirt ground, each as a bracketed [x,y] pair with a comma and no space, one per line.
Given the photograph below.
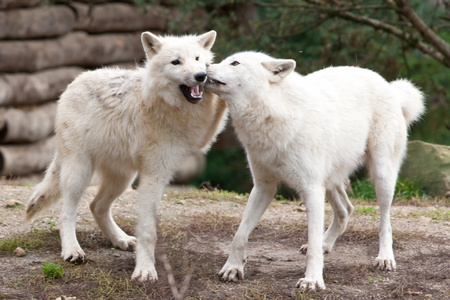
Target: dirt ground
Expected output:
[195,230]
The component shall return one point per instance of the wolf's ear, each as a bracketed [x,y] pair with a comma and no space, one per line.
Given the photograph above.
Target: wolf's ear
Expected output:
[280,68]
[151,43]
[206,40]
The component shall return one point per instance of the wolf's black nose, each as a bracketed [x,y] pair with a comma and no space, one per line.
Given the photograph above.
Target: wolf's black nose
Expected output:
[200,77]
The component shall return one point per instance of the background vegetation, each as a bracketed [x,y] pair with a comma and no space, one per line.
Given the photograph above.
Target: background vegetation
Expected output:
[376,34]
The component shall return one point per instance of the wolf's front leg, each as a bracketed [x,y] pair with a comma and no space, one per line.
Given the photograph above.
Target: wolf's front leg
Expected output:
[149,197]
[259,199]
[314,199]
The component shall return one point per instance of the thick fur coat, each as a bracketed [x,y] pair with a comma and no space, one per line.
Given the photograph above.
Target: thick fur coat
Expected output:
[312,132]
[122,122]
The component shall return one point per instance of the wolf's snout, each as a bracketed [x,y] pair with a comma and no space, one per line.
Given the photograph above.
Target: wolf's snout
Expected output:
[200,77]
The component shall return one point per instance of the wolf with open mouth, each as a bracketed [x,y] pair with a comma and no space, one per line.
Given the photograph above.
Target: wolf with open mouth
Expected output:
[120,122]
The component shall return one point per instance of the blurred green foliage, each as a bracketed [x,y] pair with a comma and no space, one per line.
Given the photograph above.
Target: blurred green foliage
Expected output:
[226,169]
[404,189]
[315,40]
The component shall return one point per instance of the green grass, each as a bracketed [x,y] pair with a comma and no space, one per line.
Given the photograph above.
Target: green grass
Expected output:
[435,214]
[404,189]
[51,270]
[28,242]
[365,210]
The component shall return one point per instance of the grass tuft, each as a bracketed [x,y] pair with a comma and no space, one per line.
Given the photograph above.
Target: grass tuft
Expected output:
[52,270]
[27,242]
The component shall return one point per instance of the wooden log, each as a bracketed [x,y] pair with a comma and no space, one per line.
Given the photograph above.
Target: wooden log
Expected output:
[27,125]
[18,160]
[8,4]
[74,49]
[120,17]
[38,22]
[39,87]
[104,1]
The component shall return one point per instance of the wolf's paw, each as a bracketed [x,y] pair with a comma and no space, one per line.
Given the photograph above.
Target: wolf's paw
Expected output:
[310,284]
[127,243]
[143,275]
[385,264]
[231,272]
[304,248]
[76,256]
[325,247]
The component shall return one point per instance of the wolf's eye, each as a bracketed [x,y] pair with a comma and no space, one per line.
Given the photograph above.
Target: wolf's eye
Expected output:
[234,63]
[197,57]
[175,62]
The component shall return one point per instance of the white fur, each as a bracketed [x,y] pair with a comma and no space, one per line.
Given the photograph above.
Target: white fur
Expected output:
[312,132]
[119,122]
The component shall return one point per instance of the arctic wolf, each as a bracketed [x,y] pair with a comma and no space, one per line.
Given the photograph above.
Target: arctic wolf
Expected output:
[119,122]
[312,132]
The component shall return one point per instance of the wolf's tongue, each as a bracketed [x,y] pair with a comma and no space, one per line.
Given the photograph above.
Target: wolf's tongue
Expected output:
[195,92]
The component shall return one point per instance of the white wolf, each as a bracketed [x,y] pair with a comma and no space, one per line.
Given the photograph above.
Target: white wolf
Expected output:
[119,122]
[312,132]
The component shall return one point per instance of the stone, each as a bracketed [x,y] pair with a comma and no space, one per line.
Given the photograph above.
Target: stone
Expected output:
[19,252]
[13,203]
[429,164]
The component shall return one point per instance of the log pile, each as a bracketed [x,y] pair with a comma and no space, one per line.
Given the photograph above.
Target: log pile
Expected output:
[42,49]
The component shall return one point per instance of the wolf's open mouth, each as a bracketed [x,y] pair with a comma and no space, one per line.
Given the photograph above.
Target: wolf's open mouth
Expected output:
[192,94]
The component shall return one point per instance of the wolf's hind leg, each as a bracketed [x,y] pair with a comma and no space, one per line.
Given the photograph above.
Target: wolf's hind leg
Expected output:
[113,184]
[384,178]
[342,209]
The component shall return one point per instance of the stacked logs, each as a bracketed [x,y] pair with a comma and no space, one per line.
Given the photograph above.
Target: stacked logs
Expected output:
[42,49]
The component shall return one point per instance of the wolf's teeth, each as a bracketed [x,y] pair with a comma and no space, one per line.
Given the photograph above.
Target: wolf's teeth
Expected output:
[195,91]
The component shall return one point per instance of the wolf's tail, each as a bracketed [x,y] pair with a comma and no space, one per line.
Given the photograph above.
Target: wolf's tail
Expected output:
[46,193]
[411,99]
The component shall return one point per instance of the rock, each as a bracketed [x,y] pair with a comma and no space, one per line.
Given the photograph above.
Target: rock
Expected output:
[19,252]
[13,203]
[430,165]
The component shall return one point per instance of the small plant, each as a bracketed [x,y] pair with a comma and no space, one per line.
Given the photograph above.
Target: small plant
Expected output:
[51,223]
[408,189]
[364,189]
[378,279]
[404,188]
[368,210]
[52,270]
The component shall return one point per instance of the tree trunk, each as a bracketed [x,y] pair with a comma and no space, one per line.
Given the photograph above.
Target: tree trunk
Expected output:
[74,49]
[19,125]
[48,21]
[26,159]
[44,86]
